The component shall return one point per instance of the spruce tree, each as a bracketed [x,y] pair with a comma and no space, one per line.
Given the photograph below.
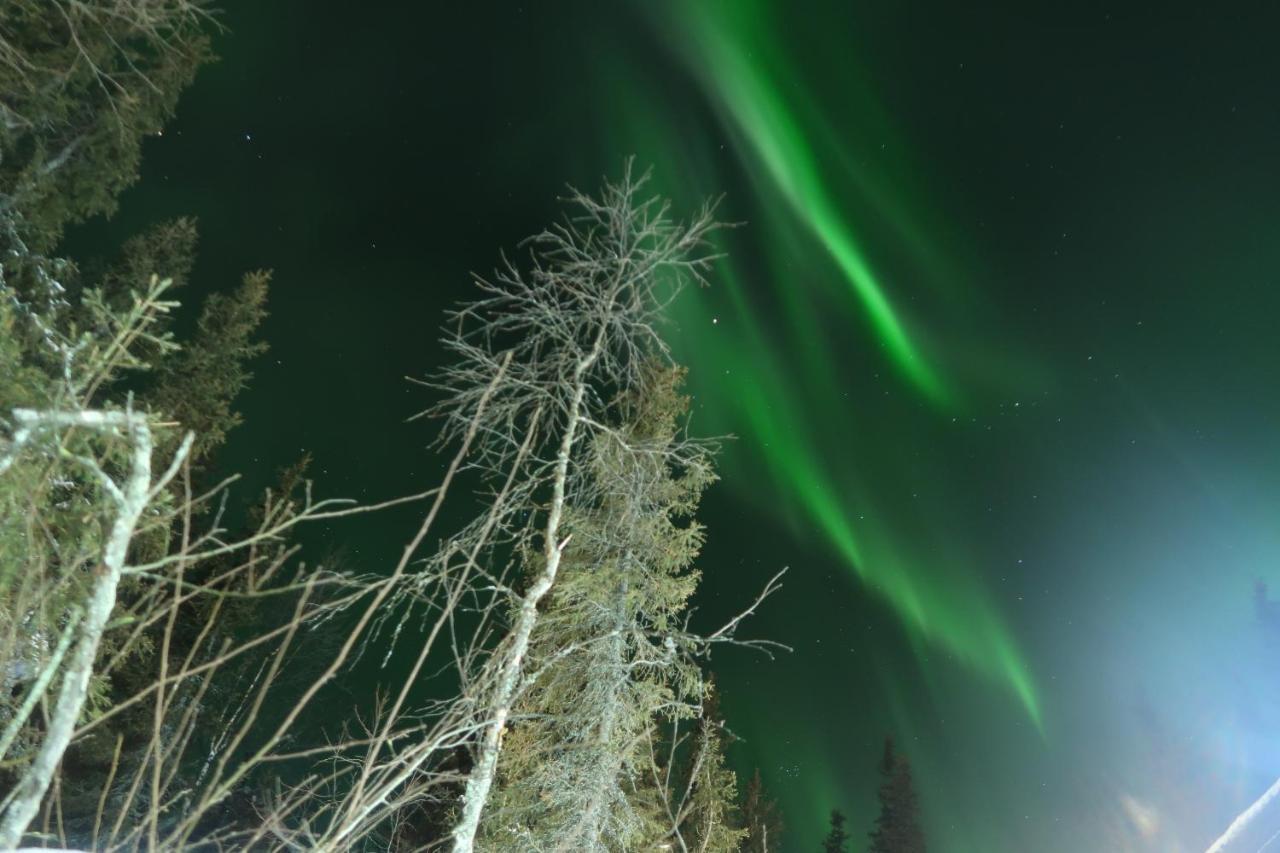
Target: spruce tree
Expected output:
[197,385]
[81,85]
[573,773]
[712,822]
[838,836]
[761,818]
[897,827]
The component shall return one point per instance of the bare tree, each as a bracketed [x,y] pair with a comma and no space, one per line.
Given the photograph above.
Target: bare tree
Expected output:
[548,365]
[580,324]
[130,499]
[68,471]
[61,580]
[78,617]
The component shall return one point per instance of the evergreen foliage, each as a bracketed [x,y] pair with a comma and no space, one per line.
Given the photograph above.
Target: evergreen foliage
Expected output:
[897,827]
[198,385]
[166,249]
[761,818]
[712,822]
[838,837]
[81,84]
[574,759]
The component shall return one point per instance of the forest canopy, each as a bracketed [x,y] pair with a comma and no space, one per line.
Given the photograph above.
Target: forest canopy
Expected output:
[156,695]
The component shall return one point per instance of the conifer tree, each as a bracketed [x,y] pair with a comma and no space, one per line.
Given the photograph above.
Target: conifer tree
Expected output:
[603,662]
[198,385]
[81,84]
[167,248]
[897,827]
[838,836]
[711,822]
[761,818]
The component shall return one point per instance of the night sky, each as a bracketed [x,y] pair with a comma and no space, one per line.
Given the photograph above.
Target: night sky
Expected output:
[996,338]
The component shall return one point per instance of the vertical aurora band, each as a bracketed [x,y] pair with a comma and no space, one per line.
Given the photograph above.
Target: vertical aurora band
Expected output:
[943,604]
[774,136]
[766,389]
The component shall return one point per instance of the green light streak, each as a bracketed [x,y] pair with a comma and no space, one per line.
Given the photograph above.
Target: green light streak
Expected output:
[777,368]
[943,604]
[756,109]
[778,393]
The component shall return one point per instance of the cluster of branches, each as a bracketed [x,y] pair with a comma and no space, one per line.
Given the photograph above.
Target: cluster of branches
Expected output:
[81,83]
[150,645]
[535,405]
[101,558]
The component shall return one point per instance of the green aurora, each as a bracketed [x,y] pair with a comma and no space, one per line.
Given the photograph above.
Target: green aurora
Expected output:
[995,337]
[728,50]
[768,338]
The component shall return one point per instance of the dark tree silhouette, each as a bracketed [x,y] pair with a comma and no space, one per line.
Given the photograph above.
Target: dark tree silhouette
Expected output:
[837,837]
[898,825]
[761,818]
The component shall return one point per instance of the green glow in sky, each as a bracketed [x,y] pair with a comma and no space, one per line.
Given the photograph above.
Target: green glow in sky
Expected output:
[944,604]
[947,209]
[753,103]
[771,372]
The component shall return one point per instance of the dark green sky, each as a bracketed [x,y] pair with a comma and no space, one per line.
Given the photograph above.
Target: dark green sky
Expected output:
[997,340]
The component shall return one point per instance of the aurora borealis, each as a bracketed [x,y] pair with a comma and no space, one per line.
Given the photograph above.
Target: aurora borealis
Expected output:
[945,606]
[995,337]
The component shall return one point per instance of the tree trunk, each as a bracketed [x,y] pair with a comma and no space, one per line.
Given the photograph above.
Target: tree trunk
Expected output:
[604,775]
[24,800]
[480,782]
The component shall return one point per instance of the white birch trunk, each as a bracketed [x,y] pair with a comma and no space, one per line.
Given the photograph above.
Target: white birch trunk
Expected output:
[480,782]
[24,800]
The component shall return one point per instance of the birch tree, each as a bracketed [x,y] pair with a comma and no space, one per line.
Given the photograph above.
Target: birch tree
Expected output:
[609,657]
[580,324]
[81,490]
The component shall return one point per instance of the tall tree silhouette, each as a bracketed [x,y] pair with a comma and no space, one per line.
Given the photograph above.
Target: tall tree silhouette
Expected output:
[836,838]
[898,825]
[761,818]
